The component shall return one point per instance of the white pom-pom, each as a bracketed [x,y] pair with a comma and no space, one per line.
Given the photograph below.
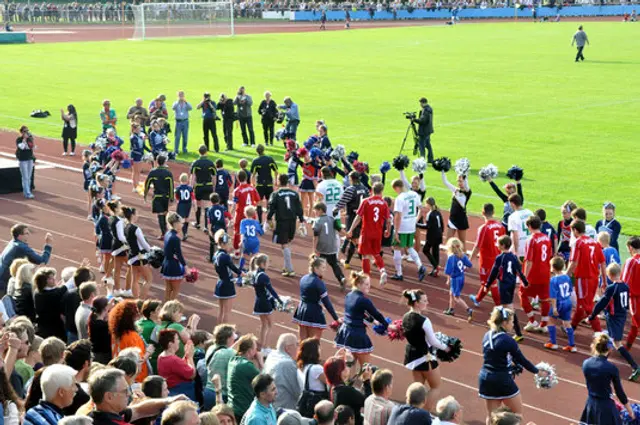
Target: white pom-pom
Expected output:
[419,165]
[287,305]
[302,230]
[338,152]
[549,380]
[462,166]
[488,172]
[101,142]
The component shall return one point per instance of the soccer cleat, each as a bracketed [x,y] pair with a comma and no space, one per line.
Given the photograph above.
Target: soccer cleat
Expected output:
[518,338]
[434,273]
[469,315]
[635,375]
[570,348]
[551,346]
[397,277]
[542,329]
[184,238]
[72,154]
[289,273]
[474,300]
[383,278]
[531,326]
[195,224]
[449,312]
[342,282]
[422,272]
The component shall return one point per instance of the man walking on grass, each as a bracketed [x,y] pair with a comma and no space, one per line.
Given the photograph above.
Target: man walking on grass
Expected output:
[580,38]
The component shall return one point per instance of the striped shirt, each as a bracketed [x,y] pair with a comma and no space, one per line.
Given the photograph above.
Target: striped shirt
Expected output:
[377,410]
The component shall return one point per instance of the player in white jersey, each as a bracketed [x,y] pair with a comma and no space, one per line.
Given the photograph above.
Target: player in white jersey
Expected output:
[330,189]
[405,215]
[517,225]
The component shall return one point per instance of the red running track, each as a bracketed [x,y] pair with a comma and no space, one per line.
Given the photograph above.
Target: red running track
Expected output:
[60,208]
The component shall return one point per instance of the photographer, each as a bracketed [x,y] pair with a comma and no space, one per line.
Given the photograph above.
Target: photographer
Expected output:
[225,105]
[244,102]
[209,118]
[24,153]
[336,372]
[268,109]
[425,129]
[292,113]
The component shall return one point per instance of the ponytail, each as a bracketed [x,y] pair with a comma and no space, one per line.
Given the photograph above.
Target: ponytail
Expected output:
[128,212]
[412,296]
[258,260]
[315,262]
[432,202]
[357,278]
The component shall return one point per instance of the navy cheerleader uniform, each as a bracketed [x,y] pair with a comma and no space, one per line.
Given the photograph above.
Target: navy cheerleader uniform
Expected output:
[352,335]
[495,381]
[119,246]
[421,341]
[223,263]
[600,409]
[105,238]
[309,312]
[173,264]
[137,245]
[265,294]
[87,174]
[137,147]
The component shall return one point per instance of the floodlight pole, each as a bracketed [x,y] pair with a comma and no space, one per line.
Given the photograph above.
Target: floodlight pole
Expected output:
[232,26]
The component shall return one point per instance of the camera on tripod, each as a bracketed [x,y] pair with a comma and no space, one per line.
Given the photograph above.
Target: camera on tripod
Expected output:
[411,115]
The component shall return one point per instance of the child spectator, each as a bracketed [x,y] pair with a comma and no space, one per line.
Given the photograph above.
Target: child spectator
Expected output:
[564,230]
[560,290]
[457,263]
[609,224]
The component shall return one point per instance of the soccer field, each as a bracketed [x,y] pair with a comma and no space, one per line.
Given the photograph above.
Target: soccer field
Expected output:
[502,93]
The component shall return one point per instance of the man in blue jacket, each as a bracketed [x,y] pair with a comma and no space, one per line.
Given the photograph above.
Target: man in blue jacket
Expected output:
[19,248]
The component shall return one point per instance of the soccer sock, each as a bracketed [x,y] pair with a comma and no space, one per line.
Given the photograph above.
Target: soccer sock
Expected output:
[350,252]
[206,219]
[627,356]
[578,315]
[343,249]
[366,266]
[397,261]
[185,226]
[198,214]
[287,259]
[544,312]
[379,262]
[633,334]
[415,257]
[481,293]
[242,261]
[596,325]
[571,336]
[212,250]
[162,221]
[516,325]
[552,334]
[525,302]
[259,209]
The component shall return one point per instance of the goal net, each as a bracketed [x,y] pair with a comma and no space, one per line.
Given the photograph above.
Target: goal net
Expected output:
[153,20]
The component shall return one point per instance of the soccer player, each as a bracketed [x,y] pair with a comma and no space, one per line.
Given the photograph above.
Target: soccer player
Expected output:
[162,181]
[611,255]
[329,190]
[351,200]
[564,230]
[405,215]
[631,276]
[243,196]
[547,228]
[326,239]
[262,168]
[217,217]
[517,225]
[538,253]
[223,183]
[560,292]
[586,264]
[203,173]
[615,304]
[285,206]
[487,249]
[581,215]
[184,197]
[371,214]
[250,230]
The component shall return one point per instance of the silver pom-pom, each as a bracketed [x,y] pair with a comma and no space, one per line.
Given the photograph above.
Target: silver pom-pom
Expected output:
[247,279]
[287,305]
[462,166]
[101,142]
[550,380]
[419,165]
[338,153]
[488,172]
[147,157]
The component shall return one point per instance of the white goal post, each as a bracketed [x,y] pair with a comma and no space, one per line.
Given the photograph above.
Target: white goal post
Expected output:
[155,20]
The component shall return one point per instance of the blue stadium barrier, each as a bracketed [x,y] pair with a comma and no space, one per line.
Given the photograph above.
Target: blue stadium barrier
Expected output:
[507,12]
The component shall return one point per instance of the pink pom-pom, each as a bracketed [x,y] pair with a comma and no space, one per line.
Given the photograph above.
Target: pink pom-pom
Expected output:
[395,332]
[192,275]
[302,152]
[359,167]
[335,325]
[118,155]
[291,145]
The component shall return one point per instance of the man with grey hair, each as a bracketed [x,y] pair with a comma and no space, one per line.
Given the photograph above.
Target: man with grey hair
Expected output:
[244,102]
[110,393]
[449,411]
[291,417]
[138,109]
[280,364]
[181,413]
[58,385]
[76,420]
[413,412]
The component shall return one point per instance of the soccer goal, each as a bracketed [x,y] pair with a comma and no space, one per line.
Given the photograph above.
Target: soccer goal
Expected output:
[154,20]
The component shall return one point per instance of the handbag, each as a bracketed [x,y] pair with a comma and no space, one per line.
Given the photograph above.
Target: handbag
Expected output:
[308,399]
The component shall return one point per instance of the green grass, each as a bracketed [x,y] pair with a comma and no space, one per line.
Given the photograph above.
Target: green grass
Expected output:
[502,93]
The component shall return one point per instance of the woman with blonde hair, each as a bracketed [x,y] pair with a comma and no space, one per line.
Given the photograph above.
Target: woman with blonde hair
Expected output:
[224,413]
[265,296]
[171,316]
[458,220]
[138,246]
[225,290]
[23,291]
[13,271]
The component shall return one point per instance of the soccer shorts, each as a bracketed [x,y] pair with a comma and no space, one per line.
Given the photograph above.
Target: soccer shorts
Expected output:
[284,232]
[535,290]
[506,293]
[251,248]
[160,204]
[203,192]
[406,240]
[457,284]
[564,310]
[484,268]
[264,192]
[586,287]
[615,326]
[370,245]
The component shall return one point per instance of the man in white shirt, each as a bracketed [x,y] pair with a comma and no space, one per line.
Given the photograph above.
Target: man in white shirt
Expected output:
[405,215]
[330,190]
[517,227]
[378,407]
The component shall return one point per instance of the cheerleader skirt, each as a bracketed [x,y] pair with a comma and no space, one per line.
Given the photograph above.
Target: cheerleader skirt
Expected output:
[105,243]
[262,306]
[599,411]
[136,156]
[307,186]
[171,269]
[311,315]
[225,290]
[496,385]
[354,339]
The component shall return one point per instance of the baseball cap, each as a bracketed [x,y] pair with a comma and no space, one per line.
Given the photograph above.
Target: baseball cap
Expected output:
[291,417]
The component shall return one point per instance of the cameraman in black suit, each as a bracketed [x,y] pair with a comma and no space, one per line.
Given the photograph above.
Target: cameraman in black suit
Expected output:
[226,108]
[209,118]
[425,129]
[268,109]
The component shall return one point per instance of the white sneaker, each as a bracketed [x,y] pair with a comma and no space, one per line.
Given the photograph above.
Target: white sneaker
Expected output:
[64,154]
[383,278]
[531,326]
[101,268]
[89,217]
[543,330]
[117,292]
[244,145]
[72,154]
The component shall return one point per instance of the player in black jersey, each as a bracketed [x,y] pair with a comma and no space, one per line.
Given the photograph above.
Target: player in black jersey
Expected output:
[350,200]
[261,178]
[285,205]
[203,173]
[162,181]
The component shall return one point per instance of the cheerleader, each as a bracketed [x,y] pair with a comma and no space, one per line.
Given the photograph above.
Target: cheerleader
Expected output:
[309,181]
[173,265]
[352,334]
[119,247]
[265,296]
[104,239]
[225,290]
[433,223]
[421,340]
[496,384]
[137,140]
[309,316]
[138,246]
[600,375]
[458,221]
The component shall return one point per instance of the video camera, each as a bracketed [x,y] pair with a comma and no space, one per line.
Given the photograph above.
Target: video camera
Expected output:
[410,115]
[280,118]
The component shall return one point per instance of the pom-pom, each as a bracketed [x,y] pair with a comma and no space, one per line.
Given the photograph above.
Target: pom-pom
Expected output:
[302,230]
[626,419]
[286,306]
[311,141]
[419,165]
[192,275]
[101,142]
[338,153]
[140,188]
[353,156]
[488,172]
[442,164]
[126,164]
[171,155]
[395,331]
[400,162]
[155,257]
[455,347]
[360,167]
[515,173]
[385,167]
[147,157]
[549,380]
[302,152]
[335,325]
[515,369]
[315,153]
[462,166]
[380,328]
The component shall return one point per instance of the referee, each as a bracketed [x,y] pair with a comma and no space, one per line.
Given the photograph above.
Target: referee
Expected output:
[162,181]
[579,39]
[261,177]
[203,172]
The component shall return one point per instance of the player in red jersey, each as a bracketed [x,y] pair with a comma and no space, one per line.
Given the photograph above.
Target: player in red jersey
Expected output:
[487,248]
[538,253]
[587,264]
[631,276]
[243,196]
[372,214]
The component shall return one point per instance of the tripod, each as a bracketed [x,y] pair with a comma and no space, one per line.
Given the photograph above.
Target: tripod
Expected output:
[411,128]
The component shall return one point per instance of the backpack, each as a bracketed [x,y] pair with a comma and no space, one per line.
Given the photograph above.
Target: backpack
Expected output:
[38,113]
